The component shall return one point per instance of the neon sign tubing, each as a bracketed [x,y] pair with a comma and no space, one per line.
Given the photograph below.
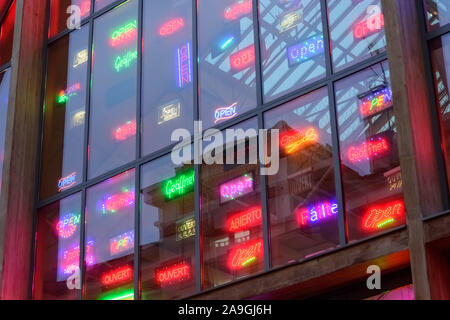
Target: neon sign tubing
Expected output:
[378,217]
[368,150]
[238,10]
[245,220]
[117,276]
[236,188]
[321,212]
[67,182]
[225,113]
[243,59]
[113,203]
[294,140]
[125,61]
[179,186]
[67,226]
[377,100]
[305,50]
[126,131]
[121,243]
[124,34]
[184,65]
[173,274]
[171,26]
[369,27]
[244,255]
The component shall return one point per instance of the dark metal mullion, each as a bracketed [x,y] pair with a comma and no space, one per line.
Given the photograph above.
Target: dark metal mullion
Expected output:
[438,32]
[5,66]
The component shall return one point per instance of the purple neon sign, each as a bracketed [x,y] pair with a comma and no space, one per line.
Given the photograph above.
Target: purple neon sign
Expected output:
[184,61]
[305,50]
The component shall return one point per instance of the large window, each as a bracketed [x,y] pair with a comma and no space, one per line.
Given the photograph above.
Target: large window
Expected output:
[4,98]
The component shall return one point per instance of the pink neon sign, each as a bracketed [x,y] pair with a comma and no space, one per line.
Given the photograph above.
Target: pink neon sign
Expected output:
[67,225]
[245,255]
[113,203]
[71,257]
[171,26]
[369,27]
[243,58]
[375,147]
[245,220]
[236,188]
[126,131]
[238,10]
[121,243]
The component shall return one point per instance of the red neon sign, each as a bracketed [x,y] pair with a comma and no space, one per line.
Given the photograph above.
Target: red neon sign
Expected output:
[117,276]
[245,220]
[243,58]
[245,255]
[173,274]
[369,27]
[171,26]
[126,131]
[124,34]
[294,140]
[382,216]
[238,10]
[368,150]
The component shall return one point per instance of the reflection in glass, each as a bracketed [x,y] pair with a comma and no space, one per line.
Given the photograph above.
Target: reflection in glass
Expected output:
[64,114]
[4,99]
[112,139]
[59,15]
[57,272]
[7,34]
[293,51]
[302,199]
[437,13]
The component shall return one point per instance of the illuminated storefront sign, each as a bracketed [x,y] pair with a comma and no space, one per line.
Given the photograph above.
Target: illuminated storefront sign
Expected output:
[125,61]
[236,188]
[383,216]
[113,203]
[85,8]
[375,147]
[243,59]
[67,225]
[295,140]
[184,65]
[124,34]
[64,95]
[78,119]
[369,27]
[305,50]
[80,58]
[177,187]
[320,212]
[121,243]
[394,179]
[185,229]
[171,26]
[245,220]
[71,258]
[126,131]
[67,182]
[225,113]
[118,276]
[169,111]
[119,296]
[173,274]
[238,10]
[226,40]
[377,100]
[245,255]
[291,19]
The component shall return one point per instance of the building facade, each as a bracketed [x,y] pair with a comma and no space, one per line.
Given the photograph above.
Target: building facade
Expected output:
[353,92]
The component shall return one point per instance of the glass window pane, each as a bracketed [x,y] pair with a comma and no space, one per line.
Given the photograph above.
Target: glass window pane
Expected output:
[227,84]
[292,45]
[168,230]
[437,12]
[232,249]
[7,34]
[167,101]
[64,114]
[59,16]
[57,272]
[369,153]
[112,139]
[357,31]
[302,199]
[110,239]
[100,4]
[5,78]
[440,55]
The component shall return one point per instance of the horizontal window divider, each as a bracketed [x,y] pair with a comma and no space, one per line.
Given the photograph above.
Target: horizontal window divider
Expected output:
[438,32]
[436,216]
[5,66]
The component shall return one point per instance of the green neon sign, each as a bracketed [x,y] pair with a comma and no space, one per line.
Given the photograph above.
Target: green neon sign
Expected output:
[125,61]
[121,295]
[182,184]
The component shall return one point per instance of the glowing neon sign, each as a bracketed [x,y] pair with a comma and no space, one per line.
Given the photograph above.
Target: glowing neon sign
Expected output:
[185,229]
[377,146]
[124,34]
[124,295]
[236,188]
[67,225]
[78,119]
[320,212]
[125,61]
[305,50]
[64,95]
[113,203]
[80,58]
[245,255]
[225,113]
[243,58]
[67,182]
[126,131]
[230,36]
[71,258]
[121,243]
[85,8]
[238,10]
[369,27]
[291,19]
[177,187]
[377,100]
[171,26]
[294,140]
[117,276]
[169,111]
[382,216]
[167,276]
[245,220]
[184,65]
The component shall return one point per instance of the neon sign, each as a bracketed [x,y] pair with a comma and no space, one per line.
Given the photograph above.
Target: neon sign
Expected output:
[320,212]
[171,26]
[225,113]
[124,34]
[377,100]
[173,274]
[305,50]
[376,147]
[245,255]
[243,58]
[294,140]
[124,295]
[121,243]
[113,203]
[78,119]
[382,216]
[117,276]
[369,27]
[184,65]
[169,111]
[67,182]
[71,257]
[67,225]
[80,58]
[125,61]
[245,220]
[64,95]
[238,10]
[177,187]
[85,8]
[291,19]
[236,188]
[185,229]
[126,131]
[230,36]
